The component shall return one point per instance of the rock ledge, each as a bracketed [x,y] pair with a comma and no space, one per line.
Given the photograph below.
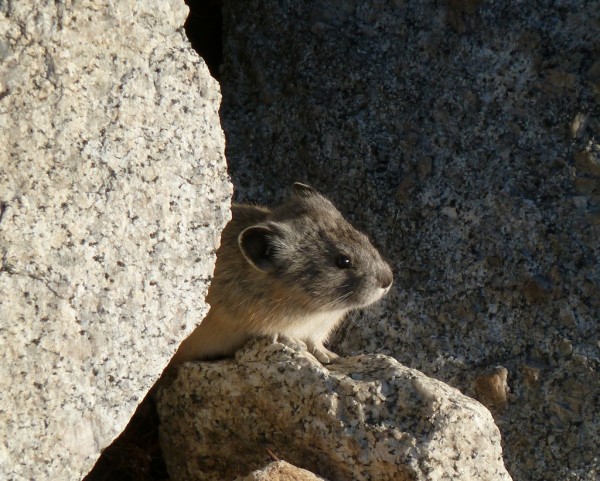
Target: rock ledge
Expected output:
[367,417]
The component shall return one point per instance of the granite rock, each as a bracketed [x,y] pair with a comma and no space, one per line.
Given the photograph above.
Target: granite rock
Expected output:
[113,192]
[367,417]
[464,137]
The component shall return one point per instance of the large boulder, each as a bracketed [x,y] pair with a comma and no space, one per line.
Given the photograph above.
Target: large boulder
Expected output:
[113,193]
[364,418]
[464,138]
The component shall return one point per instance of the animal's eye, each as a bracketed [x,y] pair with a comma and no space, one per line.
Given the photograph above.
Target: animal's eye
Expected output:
[343,261]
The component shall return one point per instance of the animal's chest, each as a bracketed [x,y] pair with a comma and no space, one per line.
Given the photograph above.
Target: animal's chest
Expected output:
[316,326]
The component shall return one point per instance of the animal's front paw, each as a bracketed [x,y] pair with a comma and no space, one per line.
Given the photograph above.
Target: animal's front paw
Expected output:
[292,342]
[323,355]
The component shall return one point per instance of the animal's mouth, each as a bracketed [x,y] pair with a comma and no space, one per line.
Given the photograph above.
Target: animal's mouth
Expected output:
[377,294]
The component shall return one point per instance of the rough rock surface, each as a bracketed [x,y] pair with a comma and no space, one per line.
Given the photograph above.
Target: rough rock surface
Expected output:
[366,418]
[113,191]
[464,137]
[281,471]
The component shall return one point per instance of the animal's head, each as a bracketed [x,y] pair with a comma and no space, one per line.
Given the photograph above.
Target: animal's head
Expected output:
[306,243]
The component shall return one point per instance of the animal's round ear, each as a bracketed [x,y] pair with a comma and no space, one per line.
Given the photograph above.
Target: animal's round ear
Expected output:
[303,190]
[256,243]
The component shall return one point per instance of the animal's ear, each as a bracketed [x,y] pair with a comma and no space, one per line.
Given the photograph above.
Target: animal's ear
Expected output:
[303,191]
[256,243]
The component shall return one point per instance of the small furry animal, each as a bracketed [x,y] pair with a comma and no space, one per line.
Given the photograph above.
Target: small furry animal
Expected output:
[292,273]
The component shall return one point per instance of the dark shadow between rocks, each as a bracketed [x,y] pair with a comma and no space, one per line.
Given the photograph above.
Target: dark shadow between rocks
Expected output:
[204,28]
[136,454]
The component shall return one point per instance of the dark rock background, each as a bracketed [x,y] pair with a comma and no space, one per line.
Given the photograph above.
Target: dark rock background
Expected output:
[463,136]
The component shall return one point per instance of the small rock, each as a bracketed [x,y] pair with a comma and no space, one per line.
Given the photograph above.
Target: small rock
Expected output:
[565,347]
[492,388]
[281,471]
[579,125]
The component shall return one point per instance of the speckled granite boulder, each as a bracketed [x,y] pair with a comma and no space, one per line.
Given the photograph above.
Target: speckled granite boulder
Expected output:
[366,418]
[113,192]
[464,137]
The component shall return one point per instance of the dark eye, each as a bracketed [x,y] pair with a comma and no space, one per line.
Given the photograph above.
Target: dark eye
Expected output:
[343,261]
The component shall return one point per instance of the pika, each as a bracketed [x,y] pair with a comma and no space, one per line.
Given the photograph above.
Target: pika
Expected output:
[292,272]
